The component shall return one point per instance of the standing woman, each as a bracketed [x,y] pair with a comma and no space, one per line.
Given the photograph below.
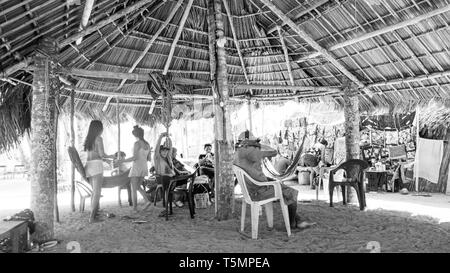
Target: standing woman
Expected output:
[93,145]
[139,169]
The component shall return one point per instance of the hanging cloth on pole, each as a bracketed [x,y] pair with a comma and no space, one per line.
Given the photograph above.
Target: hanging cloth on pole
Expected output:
[430,153]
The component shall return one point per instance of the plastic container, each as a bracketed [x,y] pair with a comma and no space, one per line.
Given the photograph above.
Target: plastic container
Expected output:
[304,177]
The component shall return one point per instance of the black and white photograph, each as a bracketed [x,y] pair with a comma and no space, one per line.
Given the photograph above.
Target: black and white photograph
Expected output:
[237,129]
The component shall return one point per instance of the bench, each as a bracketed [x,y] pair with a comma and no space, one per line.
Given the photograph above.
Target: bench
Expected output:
[17,231]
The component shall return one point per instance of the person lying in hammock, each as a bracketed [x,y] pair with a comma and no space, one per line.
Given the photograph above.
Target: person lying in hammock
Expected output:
[249,155]
[282,161]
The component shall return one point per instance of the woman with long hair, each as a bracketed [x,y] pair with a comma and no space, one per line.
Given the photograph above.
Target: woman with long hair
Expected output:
[139,169]
[93,145]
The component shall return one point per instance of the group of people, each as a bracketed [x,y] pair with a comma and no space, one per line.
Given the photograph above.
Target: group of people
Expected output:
[249,153]
[165,164]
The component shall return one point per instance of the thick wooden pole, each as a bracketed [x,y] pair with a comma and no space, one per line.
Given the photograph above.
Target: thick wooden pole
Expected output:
[416,163]
[445,165]
[118,128]
[224,182]
[352,119]
[43,142]
[72,143]
[250,119]
[55,154]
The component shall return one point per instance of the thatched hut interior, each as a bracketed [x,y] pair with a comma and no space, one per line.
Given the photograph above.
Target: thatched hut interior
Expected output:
[368,76]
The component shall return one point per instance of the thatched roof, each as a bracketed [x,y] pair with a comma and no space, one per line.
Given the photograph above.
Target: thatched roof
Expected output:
[396,50]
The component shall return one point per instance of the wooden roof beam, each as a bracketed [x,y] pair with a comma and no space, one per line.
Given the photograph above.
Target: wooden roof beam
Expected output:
[85,17]
[104,22]
[430,76]
[236,42]
[314,5]
[286,56]
[177,36]
[152,40]
[315,45]
[187,81]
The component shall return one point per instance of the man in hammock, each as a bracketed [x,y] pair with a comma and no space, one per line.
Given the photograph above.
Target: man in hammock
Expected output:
[249,155]
[282,161]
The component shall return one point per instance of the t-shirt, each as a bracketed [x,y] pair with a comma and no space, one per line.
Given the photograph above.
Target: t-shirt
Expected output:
[282,164]
[207,163]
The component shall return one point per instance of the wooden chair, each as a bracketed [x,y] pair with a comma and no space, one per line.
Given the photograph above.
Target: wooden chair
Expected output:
[354,168]
[121,180]
[256,205]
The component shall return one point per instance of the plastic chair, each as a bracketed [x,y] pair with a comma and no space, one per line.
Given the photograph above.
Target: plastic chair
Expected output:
[256,205]
[355,168]
[85,190]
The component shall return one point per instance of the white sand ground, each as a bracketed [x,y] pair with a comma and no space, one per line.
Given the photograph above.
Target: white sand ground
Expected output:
[400,223]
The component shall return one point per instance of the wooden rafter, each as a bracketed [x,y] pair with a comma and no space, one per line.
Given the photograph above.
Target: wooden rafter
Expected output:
[104,22]
[315,45]
[89,4]
[313,6]
[236,42]
[177,36]
[286,56]
[156,35]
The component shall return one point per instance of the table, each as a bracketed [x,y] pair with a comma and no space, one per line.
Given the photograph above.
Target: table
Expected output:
[376,179]
[14,230]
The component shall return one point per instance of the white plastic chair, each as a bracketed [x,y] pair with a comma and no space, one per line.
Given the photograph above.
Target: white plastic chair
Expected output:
[256,205]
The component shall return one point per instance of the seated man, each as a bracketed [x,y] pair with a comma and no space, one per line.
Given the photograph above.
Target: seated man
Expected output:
[206,162]
[249,154]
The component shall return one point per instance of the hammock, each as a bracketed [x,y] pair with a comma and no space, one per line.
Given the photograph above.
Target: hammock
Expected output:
[270,170]
[108,181]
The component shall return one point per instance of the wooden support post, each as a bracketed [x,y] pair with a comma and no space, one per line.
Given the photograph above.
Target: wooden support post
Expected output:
[224,183]
[55,154]
[72,143]
[250,119]
[43,139]
[118,127]
[352,120]
[416,163]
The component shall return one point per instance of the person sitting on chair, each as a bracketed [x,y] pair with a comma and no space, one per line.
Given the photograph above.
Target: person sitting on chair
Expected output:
[206,164]
[163,163]
[249,155]
[206,160]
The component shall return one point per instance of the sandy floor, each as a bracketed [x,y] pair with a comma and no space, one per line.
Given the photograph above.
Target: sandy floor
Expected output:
[339,229]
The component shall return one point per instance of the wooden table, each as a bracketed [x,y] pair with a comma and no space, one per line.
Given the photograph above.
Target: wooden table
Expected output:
[14,230]
[376,179]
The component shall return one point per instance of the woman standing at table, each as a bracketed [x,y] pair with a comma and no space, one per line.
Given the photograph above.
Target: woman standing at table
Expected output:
[139,169]
[93,145]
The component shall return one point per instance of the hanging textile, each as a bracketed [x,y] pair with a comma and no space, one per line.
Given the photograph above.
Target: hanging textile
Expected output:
[429,157]
[339,150]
